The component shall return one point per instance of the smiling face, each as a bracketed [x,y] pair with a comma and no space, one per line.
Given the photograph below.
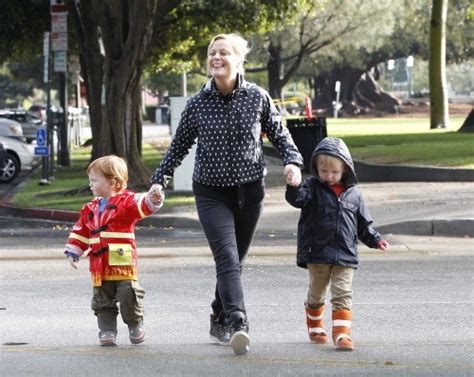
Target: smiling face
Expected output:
[222,61]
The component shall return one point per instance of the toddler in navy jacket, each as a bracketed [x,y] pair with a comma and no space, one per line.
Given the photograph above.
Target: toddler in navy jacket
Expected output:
[333,217]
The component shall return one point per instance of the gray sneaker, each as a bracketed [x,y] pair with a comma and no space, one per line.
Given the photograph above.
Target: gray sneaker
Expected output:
[137,334]
[240,340]
[108,338]
[219,332]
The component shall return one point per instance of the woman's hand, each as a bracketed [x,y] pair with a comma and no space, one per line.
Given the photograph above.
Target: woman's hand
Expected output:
[292,174]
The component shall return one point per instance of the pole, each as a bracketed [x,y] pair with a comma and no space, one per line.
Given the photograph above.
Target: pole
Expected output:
[45,163]
[64,156]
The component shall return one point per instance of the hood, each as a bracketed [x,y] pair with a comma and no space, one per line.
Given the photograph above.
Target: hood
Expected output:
[336,147]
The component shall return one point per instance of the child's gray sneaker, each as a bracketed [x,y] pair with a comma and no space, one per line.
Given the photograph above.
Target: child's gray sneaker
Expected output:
[137,333]
[108,338]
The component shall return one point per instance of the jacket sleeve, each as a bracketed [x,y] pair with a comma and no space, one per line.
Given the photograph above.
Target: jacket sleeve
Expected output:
[301,196]
[279,135]
[78,239]
[366,233]
[183,140]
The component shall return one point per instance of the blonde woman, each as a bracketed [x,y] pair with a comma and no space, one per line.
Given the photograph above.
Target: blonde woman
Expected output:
[228,117]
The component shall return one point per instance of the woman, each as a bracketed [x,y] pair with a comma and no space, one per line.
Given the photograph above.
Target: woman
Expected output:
[227,117]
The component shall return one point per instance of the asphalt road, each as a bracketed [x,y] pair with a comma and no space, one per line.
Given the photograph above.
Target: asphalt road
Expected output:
[412,315]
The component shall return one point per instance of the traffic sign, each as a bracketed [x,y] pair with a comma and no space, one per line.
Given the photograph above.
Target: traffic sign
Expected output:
[41,151]
[41,137]
[58,6]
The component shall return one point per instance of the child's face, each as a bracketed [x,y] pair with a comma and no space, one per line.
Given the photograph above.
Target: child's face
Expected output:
[330,173]
[100,185]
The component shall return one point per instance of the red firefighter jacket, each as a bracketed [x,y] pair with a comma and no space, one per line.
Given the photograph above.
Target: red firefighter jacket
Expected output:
[108,238]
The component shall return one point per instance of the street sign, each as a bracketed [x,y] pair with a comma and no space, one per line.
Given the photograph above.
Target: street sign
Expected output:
[41,137]
[58,6]
[59,41]
[60,61]
[41,151]
[59,22]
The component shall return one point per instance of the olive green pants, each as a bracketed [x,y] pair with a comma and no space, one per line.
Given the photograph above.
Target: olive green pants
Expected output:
[128,294]
[336,278]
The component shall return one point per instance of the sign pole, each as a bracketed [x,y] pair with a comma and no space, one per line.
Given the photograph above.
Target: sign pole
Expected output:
[47,79]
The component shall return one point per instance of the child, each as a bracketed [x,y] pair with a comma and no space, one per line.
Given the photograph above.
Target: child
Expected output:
[105,232]
[333,216]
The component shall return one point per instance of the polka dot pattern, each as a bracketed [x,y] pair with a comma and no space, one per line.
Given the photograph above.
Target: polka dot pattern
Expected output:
[228,132]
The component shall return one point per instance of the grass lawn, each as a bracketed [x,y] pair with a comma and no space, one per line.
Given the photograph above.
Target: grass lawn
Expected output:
[380,140]
[406,141]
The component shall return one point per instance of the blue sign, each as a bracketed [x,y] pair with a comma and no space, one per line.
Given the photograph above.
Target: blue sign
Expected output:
[41,151]
[41,137]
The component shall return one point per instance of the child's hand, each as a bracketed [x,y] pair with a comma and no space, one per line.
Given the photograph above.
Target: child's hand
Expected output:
[156,193]
[73,261]
[292,175]
[382,245]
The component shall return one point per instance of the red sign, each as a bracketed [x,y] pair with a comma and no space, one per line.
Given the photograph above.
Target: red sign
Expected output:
[58,6]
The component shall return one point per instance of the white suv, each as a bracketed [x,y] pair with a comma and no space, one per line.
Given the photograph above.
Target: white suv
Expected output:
[19,156]
[11,128]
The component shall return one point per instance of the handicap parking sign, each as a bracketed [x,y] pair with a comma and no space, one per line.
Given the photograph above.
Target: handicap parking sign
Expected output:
[41,137]
[41,151]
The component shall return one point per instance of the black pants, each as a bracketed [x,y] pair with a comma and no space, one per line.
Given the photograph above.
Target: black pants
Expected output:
[229,217]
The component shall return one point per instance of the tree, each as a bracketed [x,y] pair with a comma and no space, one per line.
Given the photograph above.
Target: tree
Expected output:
[437,66]
[116,37]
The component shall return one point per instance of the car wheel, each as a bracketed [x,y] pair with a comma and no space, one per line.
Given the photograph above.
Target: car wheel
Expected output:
[10,169]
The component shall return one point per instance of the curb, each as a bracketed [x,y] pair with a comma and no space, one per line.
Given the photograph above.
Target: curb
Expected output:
[367,172]
[439,227]
[159,221]
[39,213]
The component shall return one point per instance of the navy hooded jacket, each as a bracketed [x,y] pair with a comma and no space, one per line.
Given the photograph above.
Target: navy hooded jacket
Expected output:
[329,226]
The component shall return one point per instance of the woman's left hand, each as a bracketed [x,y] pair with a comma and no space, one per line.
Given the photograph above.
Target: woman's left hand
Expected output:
[292,174]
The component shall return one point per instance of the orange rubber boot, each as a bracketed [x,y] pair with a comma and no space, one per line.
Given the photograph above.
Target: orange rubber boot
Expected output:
[314,321]
[341,329]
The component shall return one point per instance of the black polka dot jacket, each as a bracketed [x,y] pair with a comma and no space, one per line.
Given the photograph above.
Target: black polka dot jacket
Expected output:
[229,136]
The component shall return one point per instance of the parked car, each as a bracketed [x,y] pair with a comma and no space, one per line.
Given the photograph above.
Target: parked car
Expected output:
[19,156]
[29,123]
[11,128]
[3,153]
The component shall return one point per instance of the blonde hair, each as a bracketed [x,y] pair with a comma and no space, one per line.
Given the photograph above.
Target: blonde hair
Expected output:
[239,45]
[328,161]
[111,167]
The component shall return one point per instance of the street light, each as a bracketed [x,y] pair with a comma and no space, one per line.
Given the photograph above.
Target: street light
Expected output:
[410,63]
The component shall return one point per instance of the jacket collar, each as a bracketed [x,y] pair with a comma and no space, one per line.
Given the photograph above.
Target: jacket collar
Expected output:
[210,87]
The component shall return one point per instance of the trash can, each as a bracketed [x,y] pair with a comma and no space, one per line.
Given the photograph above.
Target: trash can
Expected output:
[162,115]
[306,134]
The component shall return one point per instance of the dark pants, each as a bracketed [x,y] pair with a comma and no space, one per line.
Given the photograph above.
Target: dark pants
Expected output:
[229,217]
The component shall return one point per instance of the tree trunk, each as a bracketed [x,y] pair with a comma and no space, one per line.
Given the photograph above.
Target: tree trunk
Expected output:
[275,69]
[360,93]
[114,37]
[468,125]
[437,66]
